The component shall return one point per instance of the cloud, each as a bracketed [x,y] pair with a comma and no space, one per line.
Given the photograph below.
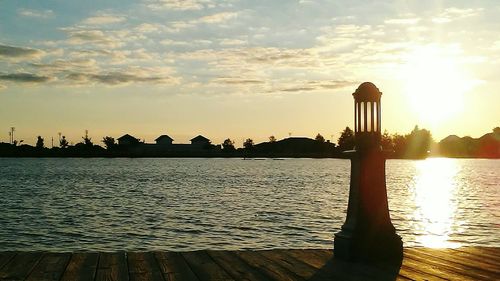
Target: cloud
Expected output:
[297,89]
[169,42]
[148,27]
[133,75]
[452,14]
[185,5]
[335,84]
[103,56]
[314,85]
[91,53]
[19,52]
[306,2]
[44,14]
[177,26]
[257,56]
[104,19]
[116,78]
[237,81]
[217,18]
[78,36]
[232,42]
[180,5]
[24,78]
[63,65]
[402,21]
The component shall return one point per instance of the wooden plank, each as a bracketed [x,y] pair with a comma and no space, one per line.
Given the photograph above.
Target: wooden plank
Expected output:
[143,266]
[50,267]
[330,267]
[174,267]
[311,257]
[481,252]
[308,256]
[469,263]
[445,262]
[428,270]
[467,257]
[5,257]
[361,270]
[112,267]
[290,263]
[492,248]
[204,267]
[81,267]
[456,258]
[494,251]
[409,273]
[236,267]
[267,266]
[19,266]
[327,267]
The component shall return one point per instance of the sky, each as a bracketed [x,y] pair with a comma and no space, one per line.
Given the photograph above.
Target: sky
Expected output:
[245,69]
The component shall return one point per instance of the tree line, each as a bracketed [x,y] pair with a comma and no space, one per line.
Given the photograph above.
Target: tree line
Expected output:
[415,145]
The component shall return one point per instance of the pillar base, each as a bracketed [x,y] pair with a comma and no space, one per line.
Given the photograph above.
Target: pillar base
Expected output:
[359,247]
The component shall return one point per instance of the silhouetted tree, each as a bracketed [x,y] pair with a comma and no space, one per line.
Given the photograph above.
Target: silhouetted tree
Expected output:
[272,139]
[228,145]
[346,139]
[63,143]
[496,131]
[109,142]
[386,141]
[87,141]
[248,144]
[489,145]
[418,143]
[39,142]
[399,143]
[319,138]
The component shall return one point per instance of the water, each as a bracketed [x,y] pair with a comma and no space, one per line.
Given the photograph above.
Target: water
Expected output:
[190,204]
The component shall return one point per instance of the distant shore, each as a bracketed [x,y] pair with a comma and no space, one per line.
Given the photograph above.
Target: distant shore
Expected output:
[242,155]
[416,145]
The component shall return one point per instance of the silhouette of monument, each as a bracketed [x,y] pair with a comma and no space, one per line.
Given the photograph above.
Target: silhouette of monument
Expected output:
[368,233]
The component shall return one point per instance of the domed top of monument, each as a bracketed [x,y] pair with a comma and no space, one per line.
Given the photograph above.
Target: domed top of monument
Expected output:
[367,91]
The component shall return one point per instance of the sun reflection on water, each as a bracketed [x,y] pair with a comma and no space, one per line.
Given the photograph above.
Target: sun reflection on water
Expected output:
[435,199]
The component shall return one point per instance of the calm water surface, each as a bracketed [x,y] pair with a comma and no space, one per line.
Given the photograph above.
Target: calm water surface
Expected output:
[188,204]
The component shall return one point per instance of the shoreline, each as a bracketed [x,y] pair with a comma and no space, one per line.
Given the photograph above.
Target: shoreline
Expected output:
[218,156]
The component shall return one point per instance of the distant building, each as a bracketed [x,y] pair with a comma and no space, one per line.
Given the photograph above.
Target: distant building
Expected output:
[127,140]
[200,141]
[164,140]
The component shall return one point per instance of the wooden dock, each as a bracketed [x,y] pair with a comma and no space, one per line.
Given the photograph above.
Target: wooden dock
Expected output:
[468,263]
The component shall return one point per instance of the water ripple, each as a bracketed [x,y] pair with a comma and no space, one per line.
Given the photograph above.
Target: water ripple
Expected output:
[190,204]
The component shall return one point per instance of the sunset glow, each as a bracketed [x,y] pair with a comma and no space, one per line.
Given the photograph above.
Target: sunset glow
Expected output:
[435,84]
[238,69]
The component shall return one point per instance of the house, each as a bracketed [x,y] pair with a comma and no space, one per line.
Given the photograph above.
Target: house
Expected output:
[200,141]
[127,140]
[164,140]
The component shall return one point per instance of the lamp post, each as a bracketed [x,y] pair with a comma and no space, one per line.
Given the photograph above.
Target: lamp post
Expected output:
[12,129]
[368,233]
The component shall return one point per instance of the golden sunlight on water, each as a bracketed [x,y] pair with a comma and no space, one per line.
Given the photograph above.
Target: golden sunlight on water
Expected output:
[435,192]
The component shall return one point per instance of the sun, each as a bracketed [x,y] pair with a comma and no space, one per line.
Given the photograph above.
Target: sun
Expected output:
[435,83]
